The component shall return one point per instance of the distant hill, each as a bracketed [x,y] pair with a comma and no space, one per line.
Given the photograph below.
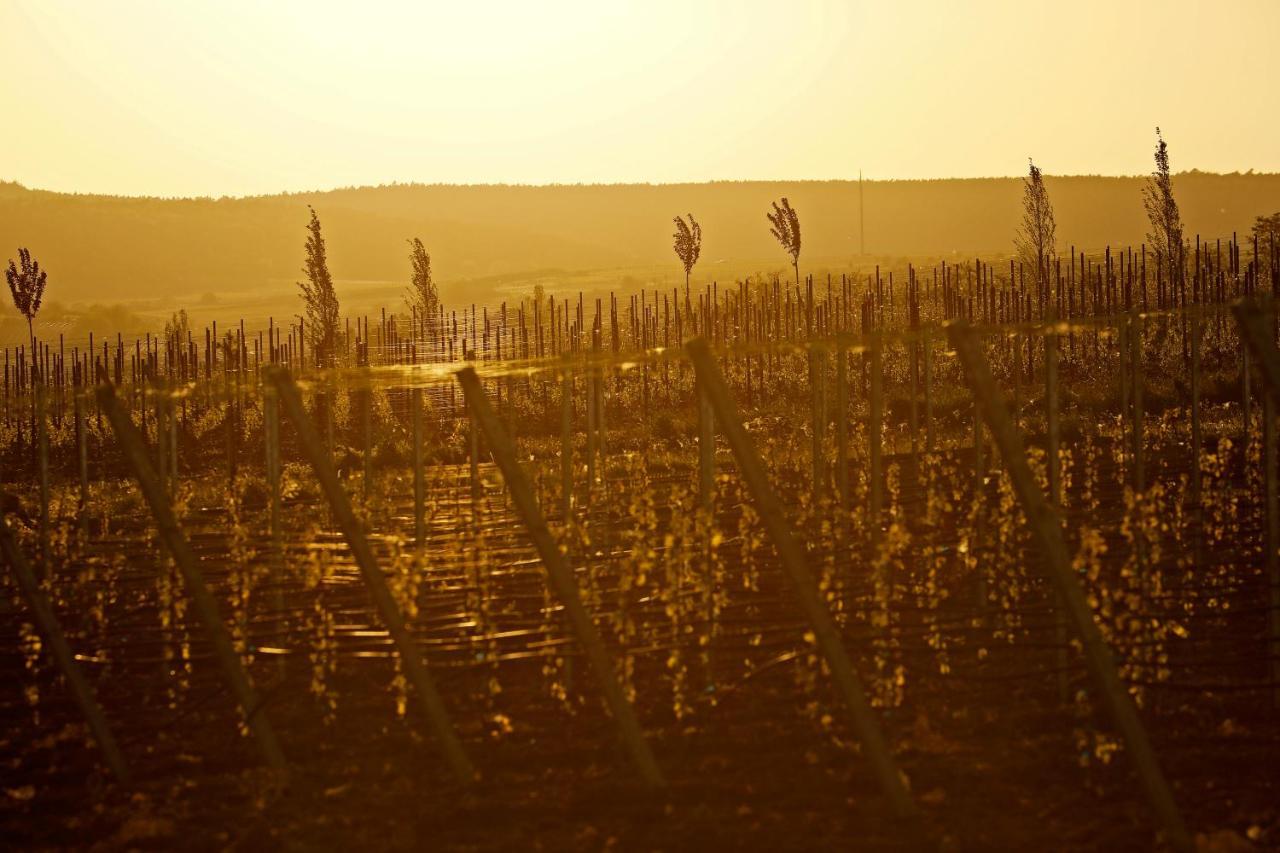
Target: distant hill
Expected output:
[107,248]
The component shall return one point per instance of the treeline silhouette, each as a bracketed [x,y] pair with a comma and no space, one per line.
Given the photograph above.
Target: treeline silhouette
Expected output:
[108,248]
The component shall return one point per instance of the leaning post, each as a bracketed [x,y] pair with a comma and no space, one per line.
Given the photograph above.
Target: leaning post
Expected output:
[1258,332]
[415,669]
[562,579]
[1046,529]
[824,628]
[175,540]
[62,654]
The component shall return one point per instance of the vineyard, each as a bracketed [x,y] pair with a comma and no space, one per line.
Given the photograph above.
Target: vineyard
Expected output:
[936,557]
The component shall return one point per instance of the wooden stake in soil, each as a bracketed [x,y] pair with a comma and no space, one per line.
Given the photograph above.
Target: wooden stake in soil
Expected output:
[42,446]
[1055,491]
[175,540]
[1257,330]
[1135,343]
[875,416]
[82,446]
[827,635]
[562,579]
[1195,415]
[566,445]
[271,440]
[927,343]
[415,669]
[419,484]
[47,621]
[842,428]
[706,449]
[817,418]
[1046,528]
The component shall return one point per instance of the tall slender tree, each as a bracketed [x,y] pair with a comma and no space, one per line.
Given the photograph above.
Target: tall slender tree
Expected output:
[786,229]
[422,295]
[1036,240]
[319,296]
[1162,211]
[688,246]
[26,284]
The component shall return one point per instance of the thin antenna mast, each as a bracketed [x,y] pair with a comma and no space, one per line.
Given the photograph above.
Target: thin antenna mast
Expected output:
[862,221]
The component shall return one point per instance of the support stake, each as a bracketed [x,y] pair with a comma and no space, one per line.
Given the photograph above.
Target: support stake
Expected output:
[175,540]
[415,668]
[562,579]
[62,655]
[827,635]
[1046,528]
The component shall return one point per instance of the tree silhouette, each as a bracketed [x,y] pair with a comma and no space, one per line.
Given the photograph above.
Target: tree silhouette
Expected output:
[422,295]
[1036,239]
[26,283]
[319,296]
[786,228]
[1162,211]
[688,246]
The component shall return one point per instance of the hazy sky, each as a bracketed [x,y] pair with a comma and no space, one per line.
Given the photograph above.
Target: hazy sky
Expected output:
[245,96]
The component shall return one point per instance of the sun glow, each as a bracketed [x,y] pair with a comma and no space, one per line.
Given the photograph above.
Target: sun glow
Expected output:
[243,97]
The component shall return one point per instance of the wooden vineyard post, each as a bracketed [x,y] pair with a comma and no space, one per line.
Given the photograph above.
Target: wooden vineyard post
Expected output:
[1046,529]
[602,397]
[82,447]
[1257,330]
[1272,541]
[1246,400]
[1016,375]
[1195,416]
[42,446]
[162,452]
[792,556]
[366,421]
[566,444]
[419,476]
[562,579]
[842,428]
[173,446]
[1135,344]
[1055,488]
[473,460]
[875,416]
[47,621]
[913,368]
[415,669]
[979,495]
[817,418]
[588,381]
[271,438]
[706,449]
[928,389]
[1051,416]
[175,540]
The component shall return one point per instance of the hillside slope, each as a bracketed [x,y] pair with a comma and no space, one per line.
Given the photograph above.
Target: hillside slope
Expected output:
[106,248]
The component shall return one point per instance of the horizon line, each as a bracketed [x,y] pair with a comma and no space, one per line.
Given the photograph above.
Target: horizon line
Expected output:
[284,193]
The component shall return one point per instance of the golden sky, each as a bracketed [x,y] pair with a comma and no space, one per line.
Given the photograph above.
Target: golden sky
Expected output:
[249,96]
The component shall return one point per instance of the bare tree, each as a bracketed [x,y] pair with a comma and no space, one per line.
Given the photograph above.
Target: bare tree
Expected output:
[688,246]
[422,295]
[1036,240]
[320,298]
[26,283]
[786,228]
[1162,210]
